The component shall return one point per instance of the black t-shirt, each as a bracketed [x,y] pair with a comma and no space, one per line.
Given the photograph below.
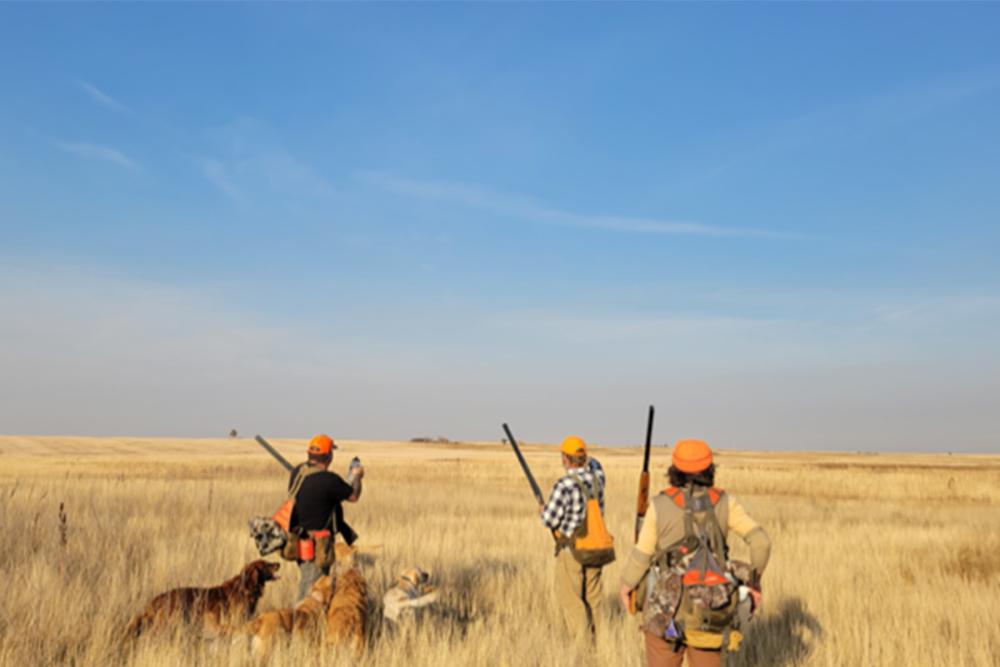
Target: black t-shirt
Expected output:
[320,495]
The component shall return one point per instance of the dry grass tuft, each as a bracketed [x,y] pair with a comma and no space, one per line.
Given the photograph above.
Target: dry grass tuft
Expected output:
[976,562]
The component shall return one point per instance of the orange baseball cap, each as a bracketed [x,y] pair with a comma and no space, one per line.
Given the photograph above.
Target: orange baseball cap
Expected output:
[573,445]
[321,445]
[692,455]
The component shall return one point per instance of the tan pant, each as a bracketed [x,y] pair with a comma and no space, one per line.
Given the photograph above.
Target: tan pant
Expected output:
[661,653]
[579,593]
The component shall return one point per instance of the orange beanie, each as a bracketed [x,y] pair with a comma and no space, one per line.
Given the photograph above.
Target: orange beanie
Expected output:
[692,455]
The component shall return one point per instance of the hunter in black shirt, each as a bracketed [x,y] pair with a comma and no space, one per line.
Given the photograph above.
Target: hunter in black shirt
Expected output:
[319,498]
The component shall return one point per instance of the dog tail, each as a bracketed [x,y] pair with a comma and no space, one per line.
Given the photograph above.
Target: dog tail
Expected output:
[135,627]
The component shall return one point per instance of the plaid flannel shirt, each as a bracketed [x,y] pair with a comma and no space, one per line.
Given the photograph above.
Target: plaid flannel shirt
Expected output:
[567,506]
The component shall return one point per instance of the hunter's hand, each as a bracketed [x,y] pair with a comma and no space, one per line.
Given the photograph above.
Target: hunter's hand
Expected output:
[623,596]
[755,595]
[359,472]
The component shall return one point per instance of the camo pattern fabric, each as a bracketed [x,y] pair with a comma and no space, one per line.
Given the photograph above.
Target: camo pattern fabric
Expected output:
[711,597]
[666,591]
[663,596]
[267,534]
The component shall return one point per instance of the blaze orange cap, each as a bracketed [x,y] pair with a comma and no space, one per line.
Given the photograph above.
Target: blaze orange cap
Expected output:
[573,445]
[692,455]
[321,445]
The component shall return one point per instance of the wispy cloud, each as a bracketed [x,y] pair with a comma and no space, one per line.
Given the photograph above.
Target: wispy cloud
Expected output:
[247,162]
[98,152]
[218,175]
[102,97]
[273,172]
[528,208]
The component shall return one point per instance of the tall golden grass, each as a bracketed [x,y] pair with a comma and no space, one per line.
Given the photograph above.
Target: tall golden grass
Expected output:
[878,560]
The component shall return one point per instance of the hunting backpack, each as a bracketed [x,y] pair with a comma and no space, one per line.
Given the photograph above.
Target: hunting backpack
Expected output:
[693,588]
[592,545]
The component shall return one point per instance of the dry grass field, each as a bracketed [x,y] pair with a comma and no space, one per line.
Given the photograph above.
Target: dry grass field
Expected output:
[878,560]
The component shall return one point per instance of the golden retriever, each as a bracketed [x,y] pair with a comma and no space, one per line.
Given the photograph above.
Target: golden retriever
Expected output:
[210,610]
[347,617]
[411,592]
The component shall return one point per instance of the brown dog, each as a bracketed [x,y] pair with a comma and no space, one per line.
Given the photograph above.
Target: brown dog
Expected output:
[304,619]
[347,617]
[209,610]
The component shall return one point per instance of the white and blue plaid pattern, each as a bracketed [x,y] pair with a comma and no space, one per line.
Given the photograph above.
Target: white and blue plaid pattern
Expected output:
[567,506]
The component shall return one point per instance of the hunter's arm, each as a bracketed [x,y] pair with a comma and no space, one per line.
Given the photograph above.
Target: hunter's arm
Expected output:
[356,494]
[553,512]
[642,552]
[743,525]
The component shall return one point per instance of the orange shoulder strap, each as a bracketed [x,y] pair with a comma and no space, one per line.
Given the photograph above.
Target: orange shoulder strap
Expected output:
[675,494]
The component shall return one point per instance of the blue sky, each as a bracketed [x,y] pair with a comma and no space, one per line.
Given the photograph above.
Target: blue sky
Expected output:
[779,223]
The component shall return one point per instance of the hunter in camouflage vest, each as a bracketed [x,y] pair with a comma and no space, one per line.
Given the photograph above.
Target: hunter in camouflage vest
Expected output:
[688,587]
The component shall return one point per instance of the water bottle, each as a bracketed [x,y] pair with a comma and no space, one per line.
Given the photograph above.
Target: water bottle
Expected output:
[355,464]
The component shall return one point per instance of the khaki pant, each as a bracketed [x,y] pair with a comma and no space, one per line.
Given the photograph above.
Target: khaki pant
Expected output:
[579,592]
[661,653]
[308,575]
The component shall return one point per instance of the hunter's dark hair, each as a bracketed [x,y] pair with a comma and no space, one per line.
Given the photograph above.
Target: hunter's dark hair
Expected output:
[681,479]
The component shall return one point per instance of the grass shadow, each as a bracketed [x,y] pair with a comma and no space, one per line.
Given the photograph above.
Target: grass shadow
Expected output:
[784,638]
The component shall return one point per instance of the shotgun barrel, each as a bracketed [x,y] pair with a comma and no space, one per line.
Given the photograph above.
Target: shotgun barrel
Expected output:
[274,452]
[524,466]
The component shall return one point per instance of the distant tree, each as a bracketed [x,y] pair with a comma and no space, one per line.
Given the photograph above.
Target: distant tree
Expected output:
[233,433]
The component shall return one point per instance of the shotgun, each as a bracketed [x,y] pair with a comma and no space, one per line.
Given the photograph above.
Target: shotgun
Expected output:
[344,529]
[642,503]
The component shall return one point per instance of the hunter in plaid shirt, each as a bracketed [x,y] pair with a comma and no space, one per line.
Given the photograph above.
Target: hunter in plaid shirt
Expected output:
[567,505]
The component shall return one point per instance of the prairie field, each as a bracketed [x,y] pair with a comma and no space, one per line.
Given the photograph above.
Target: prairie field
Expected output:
[877,559]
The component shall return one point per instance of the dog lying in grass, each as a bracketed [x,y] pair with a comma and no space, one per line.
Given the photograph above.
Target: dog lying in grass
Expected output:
[411,592]
[209,610]
[305,619]
[347,617]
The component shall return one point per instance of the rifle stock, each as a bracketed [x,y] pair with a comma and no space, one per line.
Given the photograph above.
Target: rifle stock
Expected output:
[642,502]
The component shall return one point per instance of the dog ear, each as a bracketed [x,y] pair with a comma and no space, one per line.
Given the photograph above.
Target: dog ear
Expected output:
[251,575]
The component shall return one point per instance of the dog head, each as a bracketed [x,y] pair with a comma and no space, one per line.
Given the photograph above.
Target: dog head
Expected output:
[344,554]
[258,573]
[414,579]
[267,534]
